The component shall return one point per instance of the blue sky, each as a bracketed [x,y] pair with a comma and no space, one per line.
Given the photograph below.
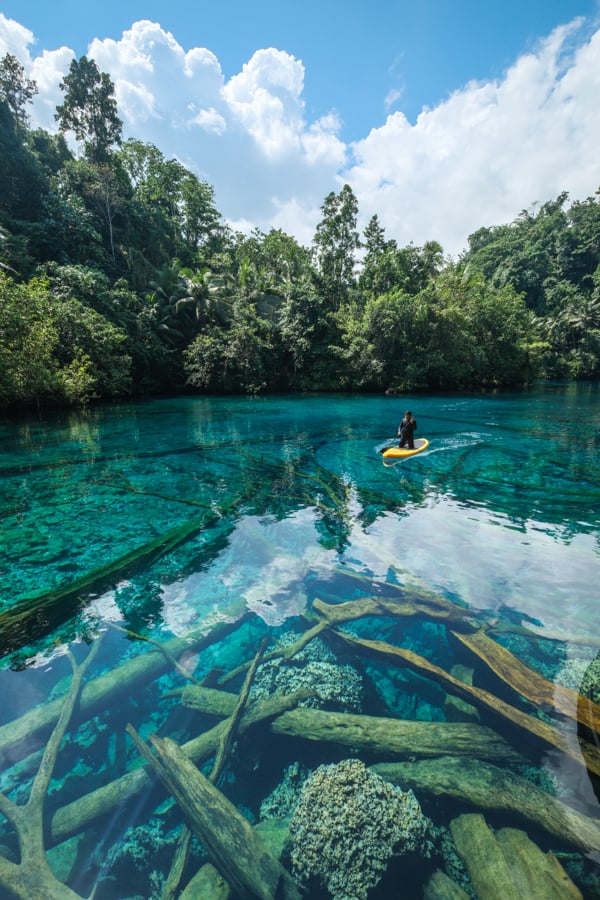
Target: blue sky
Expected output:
[443,116]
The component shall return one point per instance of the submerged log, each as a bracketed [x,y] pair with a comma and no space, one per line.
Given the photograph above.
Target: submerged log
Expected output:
[207,884]
[210,701]
[535,873]
[441,887]
[488,787]
[178,864]
[22,735]
[564,741]
[375,734]
[508,865]
[395,737]
[337,613]
[234,848]
[32,878]
[77,815]
[28,619]
[233,721]
[287,652]
[530,684]
[456,709]
[436,609]
[485,862]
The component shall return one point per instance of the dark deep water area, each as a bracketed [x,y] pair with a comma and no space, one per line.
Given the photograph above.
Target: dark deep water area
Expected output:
[390,671]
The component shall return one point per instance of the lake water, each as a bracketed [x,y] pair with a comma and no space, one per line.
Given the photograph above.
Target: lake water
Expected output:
[214,526]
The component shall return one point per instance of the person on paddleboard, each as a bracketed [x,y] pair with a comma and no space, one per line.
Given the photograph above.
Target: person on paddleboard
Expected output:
[406,430]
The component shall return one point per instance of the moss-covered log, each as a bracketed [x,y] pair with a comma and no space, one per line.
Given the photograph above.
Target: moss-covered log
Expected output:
[34,616]
[395,737]
[508,865]
[488,787]
[485,862]
[287,652]
[23,735]
[207,884]
[407,605]
[374,734]
[209,701]
[32,878]
[565,741]
[535,873]
[441,887]
[77,815]
[233,721]
[234,848]
[430,608]
[530,684]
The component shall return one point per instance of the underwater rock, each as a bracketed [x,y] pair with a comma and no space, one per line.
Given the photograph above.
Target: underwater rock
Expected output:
[333,684]
[283,799]
[348,825]
[141,843]
[590,682]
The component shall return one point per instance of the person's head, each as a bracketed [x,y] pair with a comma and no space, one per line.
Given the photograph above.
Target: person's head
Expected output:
[408,414]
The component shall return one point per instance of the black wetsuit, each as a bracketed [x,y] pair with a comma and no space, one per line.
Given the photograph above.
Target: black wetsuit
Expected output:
[407,429]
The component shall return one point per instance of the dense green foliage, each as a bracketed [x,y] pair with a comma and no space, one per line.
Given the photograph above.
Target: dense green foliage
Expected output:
[118,277]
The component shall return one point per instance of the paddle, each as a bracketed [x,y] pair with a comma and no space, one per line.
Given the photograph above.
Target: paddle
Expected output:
[390,443]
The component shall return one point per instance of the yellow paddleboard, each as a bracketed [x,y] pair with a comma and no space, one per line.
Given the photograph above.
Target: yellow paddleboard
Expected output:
[403,452]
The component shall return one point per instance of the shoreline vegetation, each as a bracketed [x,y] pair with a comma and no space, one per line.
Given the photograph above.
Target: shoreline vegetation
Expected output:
[118,278]
[462,760]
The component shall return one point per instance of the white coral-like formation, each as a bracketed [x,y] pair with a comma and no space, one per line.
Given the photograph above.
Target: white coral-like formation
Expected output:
[334,685]
[348,825]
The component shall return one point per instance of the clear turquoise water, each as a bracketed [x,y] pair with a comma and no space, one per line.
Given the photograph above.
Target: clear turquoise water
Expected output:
[266,504]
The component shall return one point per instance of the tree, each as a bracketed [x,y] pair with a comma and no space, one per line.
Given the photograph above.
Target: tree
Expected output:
[199,218]
[386,345]
[91,353]
[22,181]
[204,302]
[16,90]
[374,235]
[90,109]
[335,243]
[173,214]
[68,232]
[27,343]
[51,150]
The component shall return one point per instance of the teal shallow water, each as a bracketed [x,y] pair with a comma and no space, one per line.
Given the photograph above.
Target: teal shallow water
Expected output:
[173,515]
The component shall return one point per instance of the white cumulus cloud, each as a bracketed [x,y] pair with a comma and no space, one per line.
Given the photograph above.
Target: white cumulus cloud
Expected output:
[488,151]
[478,158]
